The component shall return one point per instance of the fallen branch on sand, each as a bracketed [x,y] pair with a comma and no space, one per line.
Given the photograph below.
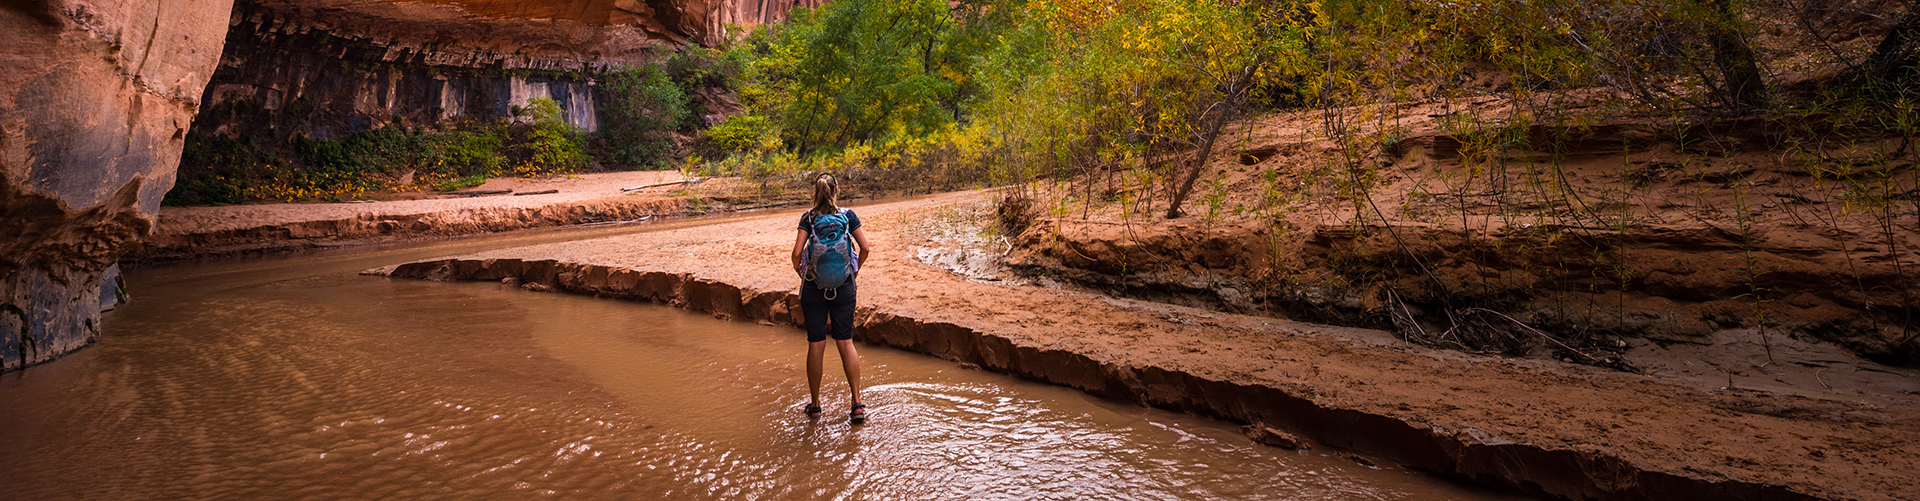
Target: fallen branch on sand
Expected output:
[475,193]
[657,185]
[541,192]
[642,218]
[1528,328]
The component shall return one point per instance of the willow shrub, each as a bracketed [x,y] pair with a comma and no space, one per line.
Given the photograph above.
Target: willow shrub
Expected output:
[221,170]
[864,71]
[1088,86]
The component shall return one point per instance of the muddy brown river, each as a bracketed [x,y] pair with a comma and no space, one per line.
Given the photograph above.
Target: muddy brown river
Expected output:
[292,377]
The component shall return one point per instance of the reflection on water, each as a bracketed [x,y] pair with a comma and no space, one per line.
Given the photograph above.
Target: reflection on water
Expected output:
[294,378]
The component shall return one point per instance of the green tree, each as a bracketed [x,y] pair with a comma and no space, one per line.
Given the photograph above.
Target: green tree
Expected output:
[864,69]
[643,110]
[1156,81]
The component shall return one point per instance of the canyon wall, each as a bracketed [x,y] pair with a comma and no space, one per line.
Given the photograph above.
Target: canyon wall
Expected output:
[326,69]
[95,100]
[330,68]
[284,75]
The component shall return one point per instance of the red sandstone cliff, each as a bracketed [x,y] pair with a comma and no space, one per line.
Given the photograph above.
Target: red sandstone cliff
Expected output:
[95,100]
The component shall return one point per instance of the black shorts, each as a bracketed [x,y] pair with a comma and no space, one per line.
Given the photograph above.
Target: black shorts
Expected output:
[818,311]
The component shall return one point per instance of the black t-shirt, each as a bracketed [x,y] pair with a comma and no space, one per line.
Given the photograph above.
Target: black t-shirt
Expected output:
[806,221]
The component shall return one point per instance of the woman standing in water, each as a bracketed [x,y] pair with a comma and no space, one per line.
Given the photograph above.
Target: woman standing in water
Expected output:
[823,255]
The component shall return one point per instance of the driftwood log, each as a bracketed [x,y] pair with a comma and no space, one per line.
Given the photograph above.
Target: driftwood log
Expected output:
[657,185]
[475,193]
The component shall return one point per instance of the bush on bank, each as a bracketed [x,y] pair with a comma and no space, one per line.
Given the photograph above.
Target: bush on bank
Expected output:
[536,141]
[644,108]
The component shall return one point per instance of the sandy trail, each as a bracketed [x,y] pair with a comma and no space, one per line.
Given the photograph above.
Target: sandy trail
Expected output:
[1534,425]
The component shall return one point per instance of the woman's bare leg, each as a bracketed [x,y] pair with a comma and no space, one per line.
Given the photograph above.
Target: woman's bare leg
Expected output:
[816,360]
[849,360]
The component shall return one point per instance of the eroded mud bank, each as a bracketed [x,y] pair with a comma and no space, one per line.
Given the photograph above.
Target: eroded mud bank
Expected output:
[1604,236]
[1578,472]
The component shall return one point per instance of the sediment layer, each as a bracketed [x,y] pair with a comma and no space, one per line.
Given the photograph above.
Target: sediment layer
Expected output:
[1529,426]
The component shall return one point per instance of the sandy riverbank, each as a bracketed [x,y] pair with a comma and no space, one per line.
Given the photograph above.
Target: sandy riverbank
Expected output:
[1530,425]
[511,204]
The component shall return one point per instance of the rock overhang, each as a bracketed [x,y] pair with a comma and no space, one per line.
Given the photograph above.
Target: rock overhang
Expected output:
[597,28]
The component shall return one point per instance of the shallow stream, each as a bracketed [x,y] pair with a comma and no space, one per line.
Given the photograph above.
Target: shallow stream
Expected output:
[292,377]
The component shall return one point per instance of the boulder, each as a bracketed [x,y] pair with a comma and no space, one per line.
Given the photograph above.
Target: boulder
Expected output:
[1269,435]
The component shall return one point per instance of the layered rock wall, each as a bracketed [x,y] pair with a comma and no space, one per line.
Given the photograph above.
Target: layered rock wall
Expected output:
[734,18]
[708,22]
[282,76]
[95,100]
[330,68]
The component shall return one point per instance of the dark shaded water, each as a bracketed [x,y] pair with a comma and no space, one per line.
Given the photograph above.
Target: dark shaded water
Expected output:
[293,378]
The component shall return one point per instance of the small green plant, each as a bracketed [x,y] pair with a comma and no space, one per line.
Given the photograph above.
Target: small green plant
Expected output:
[460,183]
[1743,215]
[1215,198]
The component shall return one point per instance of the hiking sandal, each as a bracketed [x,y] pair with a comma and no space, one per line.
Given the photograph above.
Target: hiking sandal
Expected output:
[813,411]
[859,414]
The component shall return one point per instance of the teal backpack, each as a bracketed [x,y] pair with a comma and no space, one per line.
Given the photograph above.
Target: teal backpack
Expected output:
[829,258]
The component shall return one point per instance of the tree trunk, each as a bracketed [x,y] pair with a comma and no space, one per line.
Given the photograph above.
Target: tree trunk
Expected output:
[1199,161]
[1896,51]
[1745,90]
[1236,94]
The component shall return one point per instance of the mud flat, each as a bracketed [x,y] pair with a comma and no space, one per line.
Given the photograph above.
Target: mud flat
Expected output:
[499,205]
[1533,426]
